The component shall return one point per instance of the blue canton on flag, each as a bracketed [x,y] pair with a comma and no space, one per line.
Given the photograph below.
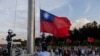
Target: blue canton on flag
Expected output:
[45,16]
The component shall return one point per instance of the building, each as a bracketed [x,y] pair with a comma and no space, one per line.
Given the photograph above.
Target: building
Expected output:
[3,43]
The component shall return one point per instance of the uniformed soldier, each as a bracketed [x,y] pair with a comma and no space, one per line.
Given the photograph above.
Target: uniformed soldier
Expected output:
[9,40]
[43,42]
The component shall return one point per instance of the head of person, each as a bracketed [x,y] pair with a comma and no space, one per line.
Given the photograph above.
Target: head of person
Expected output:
[10,31]
[45,49]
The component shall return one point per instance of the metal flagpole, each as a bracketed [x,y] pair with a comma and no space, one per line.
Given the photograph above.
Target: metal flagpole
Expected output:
[31,27]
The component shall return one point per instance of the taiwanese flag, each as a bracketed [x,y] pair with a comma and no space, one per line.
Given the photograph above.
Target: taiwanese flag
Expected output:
[58,26]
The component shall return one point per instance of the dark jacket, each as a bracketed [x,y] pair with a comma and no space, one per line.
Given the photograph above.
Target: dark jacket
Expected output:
[9,37]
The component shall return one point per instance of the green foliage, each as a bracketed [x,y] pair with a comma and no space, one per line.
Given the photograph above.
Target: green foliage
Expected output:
[37,41]
[85,43]
[76,43]
[17,40]
[88,30]
[97,43]
[23,43]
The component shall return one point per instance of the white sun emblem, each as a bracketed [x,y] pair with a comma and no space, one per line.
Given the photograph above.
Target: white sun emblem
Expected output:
[46,15]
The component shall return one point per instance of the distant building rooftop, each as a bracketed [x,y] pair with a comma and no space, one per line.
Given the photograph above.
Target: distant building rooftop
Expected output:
[3,41]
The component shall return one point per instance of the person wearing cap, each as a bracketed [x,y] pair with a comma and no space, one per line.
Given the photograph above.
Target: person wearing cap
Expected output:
[9,40]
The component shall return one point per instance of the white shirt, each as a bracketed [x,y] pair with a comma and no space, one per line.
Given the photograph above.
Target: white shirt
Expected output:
[83,51]
[45,53]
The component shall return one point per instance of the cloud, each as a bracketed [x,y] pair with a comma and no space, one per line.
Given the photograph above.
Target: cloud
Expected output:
[70,10]
[2,32]
[8,10]
[21,35]
[7,17]
[87,9]
[51,4]
[79,23]
[88,6]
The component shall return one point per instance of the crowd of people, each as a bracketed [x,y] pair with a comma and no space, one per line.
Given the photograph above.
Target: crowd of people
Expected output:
[43,50]
[18,51]
[70,51]
[56,51]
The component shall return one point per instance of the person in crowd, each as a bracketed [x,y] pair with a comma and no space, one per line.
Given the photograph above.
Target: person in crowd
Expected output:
[56,52]
[66,52]
[44,52]
[79,52]
[83,52]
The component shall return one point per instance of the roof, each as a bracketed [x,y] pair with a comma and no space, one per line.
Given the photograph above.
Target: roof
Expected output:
[3,41]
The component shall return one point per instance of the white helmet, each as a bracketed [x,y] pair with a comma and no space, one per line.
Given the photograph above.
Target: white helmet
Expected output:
[10,30]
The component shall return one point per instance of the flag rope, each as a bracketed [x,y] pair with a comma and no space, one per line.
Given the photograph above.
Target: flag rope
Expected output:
[15,15]
[39,14]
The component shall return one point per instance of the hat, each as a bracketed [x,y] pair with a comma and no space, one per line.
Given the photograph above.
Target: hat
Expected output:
[10,30]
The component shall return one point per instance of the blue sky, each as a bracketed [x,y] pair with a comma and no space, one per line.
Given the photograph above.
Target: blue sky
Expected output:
[79,13]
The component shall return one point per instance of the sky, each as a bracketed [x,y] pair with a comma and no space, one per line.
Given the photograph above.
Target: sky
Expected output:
[13,14]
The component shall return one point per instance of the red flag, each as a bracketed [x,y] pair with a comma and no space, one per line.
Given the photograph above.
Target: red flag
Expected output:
[58,26]
[69,41]
[90,39]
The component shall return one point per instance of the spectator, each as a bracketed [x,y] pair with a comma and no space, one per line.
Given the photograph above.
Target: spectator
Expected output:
[66,53]
[44,53]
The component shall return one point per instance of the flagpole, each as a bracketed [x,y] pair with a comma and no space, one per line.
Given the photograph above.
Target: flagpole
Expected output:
[31,27]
